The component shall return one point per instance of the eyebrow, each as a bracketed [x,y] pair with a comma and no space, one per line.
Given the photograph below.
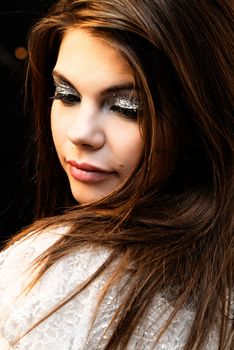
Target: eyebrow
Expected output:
[112,89]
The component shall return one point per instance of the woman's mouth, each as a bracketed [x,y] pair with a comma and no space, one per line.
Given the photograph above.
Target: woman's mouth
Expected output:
[87,173]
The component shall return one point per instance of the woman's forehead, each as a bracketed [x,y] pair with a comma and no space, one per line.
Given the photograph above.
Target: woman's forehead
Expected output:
[87,60]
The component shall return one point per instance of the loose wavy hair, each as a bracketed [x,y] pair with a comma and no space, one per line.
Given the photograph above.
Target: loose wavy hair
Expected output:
[172,220]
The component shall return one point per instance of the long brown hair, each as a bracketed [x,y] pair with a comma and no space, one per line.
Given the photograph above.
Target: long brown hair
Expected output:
[173,218]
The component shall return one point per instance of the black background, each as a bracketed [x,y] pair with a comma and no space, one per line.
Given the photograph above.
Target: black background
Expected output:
[16,183]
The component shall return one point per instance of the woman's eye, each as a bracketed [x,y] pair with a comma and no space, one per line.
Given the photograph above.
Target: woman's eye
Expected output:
[130,113]
[66,98]
[66,94]
[126,106]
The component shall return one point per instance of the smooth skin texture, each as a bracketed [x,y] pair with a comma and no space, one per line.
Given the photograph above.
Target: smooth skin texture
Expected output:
[94,116]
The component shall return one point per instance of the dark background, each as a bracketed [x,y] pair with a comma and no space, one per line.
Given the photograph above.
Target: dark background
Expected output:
[16,171]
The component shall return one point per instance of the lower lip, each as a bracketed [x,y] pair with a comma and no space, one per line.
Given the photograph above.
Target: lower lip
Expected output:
[88,176]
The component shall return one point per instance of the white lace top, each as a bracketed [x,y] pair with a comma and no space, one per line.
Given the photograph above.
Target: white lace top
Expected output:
[68,328]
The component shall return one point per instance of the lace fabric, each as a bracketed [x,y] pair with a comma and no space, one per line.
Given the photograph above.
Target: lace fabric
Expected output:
[69,327]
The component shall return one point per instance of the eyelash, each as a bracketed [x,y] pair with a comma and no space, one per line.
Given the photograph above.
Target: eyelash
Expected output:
[69,98]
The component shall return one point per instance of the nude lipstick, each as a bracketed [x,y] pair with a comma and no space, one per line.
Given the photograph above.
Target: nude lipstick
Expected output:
[87,173]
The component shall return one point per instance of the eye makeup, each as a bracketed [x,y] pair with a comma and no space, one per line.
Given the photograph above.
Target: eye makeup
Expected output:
[128,106]
[65,92]
[123,101]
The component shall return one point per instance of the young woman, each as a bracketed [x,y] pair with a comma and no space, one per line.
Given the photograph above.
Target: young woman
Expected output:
[134,248]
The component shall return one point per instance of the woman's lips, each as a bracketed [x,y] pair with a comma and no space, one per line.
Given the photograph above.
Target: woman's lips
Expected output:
[88,173]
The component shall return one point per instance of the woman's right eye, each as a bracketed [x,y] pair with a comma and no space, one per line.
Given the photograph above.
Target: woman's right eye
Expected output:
[66,94]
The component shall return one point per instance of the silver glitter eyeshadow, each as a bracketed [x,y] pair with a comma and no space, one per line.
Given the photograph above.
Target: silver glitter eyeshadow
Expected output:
[64,89]
[126,102]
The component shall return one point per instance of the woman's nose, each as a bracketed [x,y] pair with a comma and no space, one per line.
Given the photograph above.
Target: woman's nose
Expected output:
[86,128]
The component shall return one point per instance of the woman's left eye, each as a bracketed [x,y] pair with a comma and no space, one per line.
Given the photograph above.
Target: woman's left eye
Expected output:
[126,106]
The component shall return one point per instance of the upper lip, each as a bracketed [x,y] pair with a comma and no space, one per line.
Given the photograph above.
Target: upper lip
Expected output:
[86,166]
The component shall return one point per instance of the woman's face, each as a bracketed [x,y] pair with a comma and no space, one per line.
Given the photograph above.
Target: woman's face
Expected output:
[94,116]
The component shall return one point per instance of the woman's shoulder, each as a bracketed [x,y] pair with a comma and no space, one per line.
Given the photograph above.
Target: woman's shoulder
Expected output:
[19,257]
[28,248]
[55,285]
[16,260]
